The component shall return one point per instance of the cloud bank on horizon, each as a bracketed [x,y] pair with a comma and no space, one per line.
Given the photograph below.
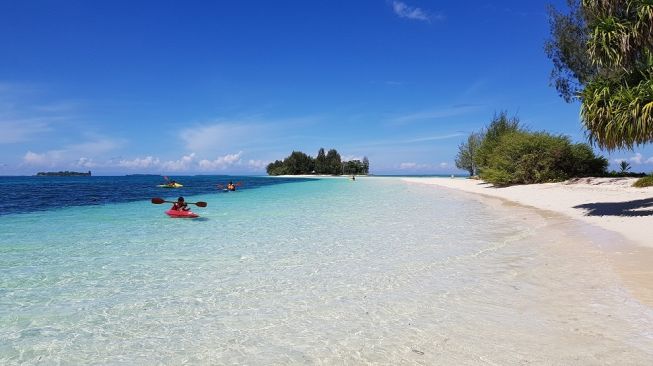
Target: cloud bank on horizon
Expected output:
[228,90]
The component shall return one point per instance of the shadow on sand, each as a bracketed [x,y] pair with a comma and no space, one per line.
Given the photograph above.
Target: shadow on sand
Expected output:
[629,208]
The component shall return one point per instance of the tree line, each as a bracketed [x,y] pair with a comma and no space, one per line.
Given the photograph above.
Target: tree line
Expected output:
[325,163]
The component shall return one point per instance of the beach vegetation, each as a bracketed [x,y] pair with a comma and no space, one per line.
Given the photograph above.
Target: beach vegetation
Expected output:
[333,162]
[299,163]
[524,157]
[616,174]
[509,153]
[321,162]
[624,166]
[572,67]
[646,181]
[500,125]
[466,158]
[602,53]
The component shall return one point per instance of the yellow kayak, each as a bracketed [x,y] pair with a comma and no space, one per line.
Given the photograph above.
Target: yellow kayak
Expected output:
[171,185]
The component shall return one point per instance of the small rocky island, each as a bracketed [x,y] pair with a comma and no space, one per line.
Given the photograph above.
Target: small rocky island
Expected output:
[63,174]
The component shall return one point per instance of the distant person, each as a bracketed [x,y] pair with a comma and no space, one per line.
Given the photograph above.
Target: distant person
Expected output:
[180,205]
[231,186]
[353,177]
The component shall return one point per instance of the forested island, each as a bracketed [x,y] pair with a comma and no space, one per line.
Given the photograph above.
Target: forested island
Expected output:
[63,174]
[330,163]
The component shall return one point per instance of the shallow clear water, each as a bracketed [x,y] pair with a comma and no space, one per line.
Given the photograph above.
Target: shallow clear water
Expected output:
[325,271]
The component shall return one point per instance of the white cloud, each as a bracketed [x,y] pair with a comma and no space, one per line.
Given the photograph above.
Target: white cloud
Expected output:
[140,163]
[436,113]
[21,118]
[414,166]
[409,12]
[188,162]
[636,159]
[418,166]
[434,138]
[185,163]
[32,158]
[219,135]
[407,165]
[14,131]
[221,162]
[258,164]
[75,155]
[85,163]
[95,147]
[351,157]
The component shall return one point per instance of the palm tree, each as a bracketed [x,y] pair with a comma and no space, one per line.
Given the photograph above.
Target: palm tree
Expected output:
[617,104]
[624,166]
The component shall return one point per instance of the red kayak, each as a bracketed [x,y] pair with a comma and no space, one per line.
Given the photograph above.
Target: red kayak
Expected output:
[182,214]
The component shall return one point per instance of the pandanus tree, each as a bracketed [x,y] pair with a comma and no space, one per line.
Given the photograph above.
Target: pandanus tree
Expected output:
[612,70]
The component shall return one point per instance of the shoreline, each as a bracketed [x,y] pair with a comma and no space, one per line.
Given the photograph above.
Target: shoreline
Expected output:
[609,203]
[623,239]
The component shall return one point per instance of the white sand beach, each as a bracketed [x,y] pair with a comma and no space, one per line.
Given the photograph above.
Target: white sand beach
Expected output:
[605,203]
[610,203]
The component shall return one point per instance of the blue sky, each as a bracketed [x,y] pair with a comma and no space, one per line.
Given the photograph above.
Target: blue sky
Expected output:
[218,87]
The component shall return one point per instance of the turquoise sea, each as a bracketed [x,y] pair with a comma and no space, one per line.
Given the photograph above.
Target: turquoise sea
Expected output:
[324,271]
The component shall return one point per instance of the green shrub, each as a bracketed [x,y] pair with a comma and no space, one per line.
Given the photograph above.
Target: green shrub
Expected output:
[500,125]
[644,182]
[522,157]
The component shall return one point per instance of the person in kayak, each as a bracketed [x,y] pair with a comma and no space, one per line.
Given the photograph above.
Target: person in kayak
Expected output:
[231,186]
[180,205]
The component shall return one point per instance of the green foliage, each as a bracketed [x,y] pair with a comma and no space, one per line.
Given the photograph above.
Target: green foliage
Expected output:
[299,163]
[522,157]
[296,163]
[619,115]
[320,162]
[624,166]
[500,125]
[330,163]
[467,153]
[276,168]
[353,167]
[615,37]
[616,174]
[644,182]
[572,67]
[333,162]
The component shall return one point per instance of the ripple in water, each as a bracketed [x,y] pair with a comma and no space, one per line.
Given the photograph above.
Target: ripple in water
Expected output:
[328,271]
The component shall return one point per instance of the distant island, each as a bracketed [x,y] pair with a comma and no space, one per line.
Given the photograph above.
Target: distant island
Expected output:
[299,163]
[63,174]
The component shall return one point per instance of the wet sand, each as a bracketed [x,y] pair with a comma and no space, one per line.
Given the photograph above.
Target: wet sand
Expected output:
[623,241]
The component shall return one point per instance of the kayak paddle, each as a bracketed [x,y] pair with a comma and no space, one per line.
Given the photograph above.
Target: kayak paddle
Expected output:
[158,201]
